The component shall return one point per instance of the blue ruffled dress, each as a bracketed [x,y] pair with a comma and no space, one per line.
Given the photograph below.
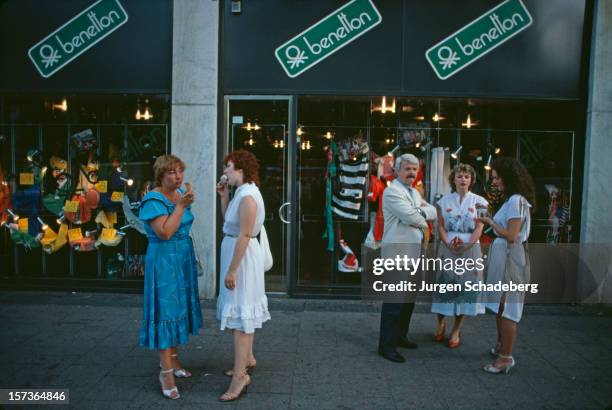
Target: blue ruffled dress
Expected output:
[171,303]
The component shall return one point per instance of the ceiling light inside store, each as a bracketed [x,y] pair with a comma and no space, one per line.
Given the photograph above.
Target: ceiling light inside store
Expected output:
[329,135]
[147,114]
[384,108]
[250,141]
[407,108]
[469,123]
[424,147]
[250,127]
[63,106]
[306,145]
[437,117]
[299,131]
[455,154]
[420,118]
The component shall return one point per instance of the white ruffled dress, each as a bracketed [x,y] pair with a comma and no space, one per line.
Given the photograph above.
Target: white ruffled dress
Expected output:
[246,307]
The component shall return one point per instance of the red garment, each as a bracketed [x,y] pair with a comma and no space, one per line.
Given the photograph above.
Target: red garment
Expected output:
[376,194]
[5,198]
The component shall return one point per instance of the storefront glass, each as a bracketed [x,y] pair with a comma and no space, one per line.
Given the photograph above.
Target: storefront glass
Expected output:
[74,170]
[356,134]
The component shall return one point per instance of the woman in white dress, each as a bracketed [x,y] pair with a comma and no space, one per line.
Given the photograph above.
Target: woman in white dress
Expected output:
[242,305]
[511,224]
[459,239]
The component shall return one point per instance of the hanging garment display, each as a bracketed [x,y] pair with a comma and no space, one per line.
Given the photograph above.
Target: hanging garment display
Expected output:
[352,172]
[114,185]
[131,217]
[86,204]
[439,173]
[330,176]
[377,220]
[349,262]
[5,196]
[114,266]
[52,242]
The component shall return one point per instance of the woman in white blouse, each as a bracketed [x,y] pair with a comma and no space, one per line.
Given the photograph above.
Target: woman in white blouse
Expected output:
[460,239]
[511,224]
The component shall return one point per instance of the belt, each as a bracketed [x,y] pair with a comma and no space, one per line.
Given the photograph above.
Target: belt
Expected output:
[236,236]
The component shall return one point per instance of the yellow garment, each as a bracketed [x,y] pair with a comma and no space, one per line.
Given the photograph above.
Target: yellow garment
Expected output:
[49,237]
[104,219]
[61,240]
[58,163]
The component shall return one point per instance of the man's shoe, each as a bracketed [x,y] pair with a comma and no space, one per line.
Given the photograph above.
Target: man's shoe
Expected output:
[392,355]
[407,344]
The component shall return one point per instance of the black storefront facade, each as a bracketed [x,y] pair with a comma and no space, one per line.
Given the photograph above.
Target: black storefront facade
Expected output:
[116,95]
[525,98]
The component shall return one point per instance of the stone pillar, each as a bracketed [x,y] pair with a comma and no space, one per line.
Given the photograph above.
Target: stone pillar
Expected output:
[194,119]
[596,227]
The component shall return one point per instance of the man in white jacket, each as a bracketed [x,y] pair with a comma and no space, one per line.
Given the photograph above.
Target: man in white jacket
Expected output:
[406,215]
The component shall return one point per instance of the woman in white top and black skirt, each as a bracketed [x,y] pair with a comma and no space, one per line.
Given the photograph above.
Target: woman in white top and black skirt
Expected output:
[511,223]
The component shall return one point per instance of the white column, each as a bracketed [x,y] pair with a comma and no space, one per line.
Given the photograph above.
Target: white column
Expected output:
[194,119]
[596,227]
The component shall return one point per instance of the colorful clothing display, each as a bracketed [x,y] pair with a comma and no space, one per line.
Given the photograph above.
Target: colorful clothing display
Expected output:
[439,173]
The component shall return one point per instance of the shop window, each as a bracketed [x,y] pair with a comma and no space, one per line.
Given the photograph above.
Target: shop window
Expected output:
[476,131]
[76,184]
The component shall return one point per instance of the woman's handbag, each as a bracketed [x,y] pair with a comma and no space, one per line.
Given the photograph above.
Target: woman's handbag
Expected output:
[265,246]
[515,271]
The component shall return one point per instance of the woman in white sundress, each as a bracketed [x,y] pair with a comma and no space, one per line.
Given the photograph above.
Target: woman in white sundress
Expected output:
[242,305]
[459,239]
[512,224]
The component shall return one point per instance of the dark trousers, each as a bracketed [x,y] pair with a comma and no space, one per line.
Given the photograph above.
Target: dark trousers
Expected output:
[394,323]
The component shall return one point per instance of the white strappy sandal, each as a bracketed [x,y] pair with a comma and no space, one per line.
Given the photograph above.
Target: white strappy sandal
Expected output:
[181,373]
[505,368]
[171,393]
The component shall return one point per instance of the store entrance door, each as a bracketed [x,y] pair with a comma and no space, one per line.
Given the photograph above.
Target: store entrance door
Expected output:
[261,125]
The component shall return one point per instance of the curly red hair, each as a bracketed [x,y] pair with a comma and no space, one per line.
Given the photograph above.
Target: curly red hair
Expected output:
[245,161]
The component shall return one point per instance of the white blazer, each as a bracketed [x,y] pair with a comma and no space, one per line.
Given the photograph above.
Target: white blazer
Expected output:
[403,222]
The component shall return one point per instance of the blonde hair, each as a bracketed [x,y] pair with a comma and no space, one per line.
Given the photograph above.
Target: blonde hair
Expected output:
[164,164]
[462,169]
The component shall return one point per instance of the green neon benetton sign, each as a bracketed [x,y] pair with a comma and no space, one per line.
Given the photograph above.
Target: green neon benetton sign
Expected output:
[79,34]
[481,36]
[327,36]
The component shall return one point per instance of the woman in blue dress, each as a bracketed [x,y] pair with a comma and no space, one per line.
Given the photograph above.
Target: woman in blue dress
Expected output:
[171,303]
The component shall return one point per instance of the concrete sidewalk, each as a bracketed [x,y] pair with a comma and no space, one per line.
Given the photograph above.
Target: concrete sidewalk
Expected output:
[312,355]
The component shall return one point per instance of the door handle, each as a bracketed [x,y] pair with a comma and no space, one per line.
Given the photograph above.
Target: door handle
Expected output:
[280,212]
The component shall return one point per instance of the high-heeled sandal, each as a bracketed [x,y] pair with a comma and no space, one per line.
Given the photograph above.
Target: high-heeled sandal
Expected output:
[181,373]
[439,337]
[227,396]
[171,393]
[495,350]
[454,343]
[249,369]
[505,368]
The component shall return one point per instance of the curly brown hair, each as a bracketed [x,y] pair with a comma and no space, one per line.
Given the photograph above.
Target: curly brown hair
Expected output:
[515,178]
[462,169]
[245,161]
